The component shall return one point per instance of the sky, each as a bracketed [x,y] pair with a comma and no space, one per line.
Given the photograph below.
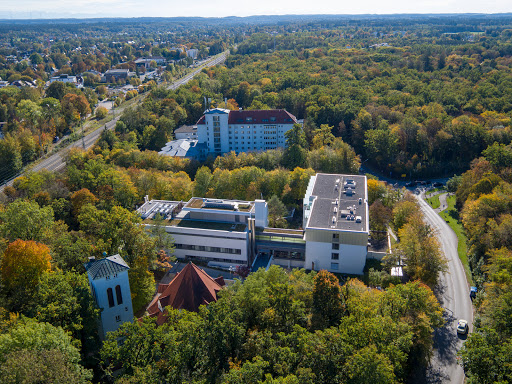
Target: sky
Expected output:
[10,9]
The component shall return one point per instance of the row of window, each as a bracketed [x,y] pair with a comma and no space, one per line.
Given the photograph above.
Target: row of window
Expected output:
[110,296]
[219,260]
[204,248]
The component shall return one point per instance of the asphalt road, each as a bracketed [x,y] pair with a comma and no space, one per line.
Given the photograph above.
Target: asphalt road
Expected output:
[56,161]
[453,294]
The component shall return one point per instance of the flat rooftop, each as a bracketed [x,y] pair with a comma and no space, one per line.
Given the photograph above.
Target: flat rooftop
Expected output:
[220,204]
[164,208]
[340,204]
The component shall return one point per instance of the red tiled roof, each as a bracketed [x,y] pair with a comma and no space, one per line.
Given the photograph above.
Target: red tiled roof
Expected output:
[259,116]
[190,288]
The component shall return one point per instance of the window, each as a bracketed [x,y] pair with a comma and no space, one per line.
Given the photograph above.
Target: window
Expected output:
[118,319]
[110,298]
[334,266]
[119,295]
[335,236]
[335,246]
[335,256]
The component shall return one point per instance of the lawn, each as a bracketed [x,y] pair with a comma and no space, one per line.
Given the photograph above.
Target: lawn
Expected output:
[450,215]
[434,201]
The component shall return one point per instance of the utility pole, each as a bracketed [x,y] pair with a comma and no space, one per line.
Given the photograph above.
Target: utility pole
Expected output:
[83,138]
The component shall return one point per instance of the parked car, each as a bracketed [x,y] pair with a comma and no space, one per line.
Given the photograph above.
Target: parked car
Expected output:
[473,292]
[462,327]
[56,139]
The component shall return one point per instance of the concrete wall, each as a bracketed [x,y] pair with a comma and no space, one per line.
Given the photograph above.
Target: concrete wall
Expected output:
[351,260]
[109,323]
[288,263]
[375,255]
[345,237]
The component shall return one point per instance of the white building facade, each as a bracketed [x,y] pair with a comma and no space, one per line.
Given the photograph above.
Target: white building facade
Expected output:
[242,131]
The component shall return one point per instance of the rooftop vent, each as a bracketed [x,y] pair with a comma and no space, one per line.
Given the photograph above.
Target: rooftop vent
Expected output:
[358,219]
[334,219]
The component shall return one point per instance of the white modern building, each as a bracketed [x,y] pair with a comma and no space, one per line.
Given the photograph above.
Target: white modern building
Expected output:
[110,287]
[213,230]
[242,131]
[229,232]
[336,223]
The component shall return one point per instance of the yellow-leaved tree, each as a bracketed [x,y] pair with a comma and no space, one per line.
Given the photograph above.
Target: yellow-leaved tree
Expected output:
[23,263]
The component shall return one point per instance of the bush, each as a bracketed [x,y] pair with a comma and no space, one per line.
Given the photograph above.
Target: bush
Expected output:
[131,94]
[101,113]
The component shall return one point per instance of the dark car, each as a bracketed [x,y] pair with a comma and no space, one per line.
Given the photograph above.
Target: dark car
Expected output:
[56,139]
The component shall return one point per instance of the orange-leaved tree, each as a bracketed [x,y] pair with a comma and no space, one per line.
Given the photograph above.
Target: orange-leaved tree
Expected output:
[23,263]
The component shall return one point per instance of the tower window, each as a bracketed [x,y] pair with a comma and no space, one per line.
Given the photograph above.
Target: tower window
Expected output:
[110,298]
[119,295]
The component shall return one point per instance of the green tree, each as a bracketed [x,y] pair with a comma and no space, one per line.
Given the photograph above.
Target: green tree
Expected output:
[421,251]
[47,366]
[295,154]
[64,300]
[27,221]
[327,302]
[276,212]
[202,181]
[33,338]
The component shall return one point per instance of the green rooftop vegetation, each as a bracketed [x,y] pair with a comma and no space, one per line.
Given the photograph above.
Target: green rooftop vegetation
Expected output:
[208,225]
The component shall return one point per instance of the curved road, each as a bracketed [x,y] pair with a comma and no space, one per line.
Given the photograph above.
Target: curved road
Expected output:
[453,294]
[56,161]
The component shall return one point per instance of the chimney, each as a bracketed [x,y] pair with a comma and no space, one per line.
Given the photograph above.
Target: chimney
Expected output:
[146,198]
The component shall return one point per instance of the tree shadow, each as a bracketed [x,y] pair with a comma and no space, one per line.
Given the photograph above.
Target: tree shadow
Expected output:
[446,340]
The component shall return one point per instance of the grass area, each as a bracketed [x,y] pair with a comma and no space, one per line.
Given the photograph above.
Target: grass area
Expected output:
[451,216]
[436,189]
[434,201]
